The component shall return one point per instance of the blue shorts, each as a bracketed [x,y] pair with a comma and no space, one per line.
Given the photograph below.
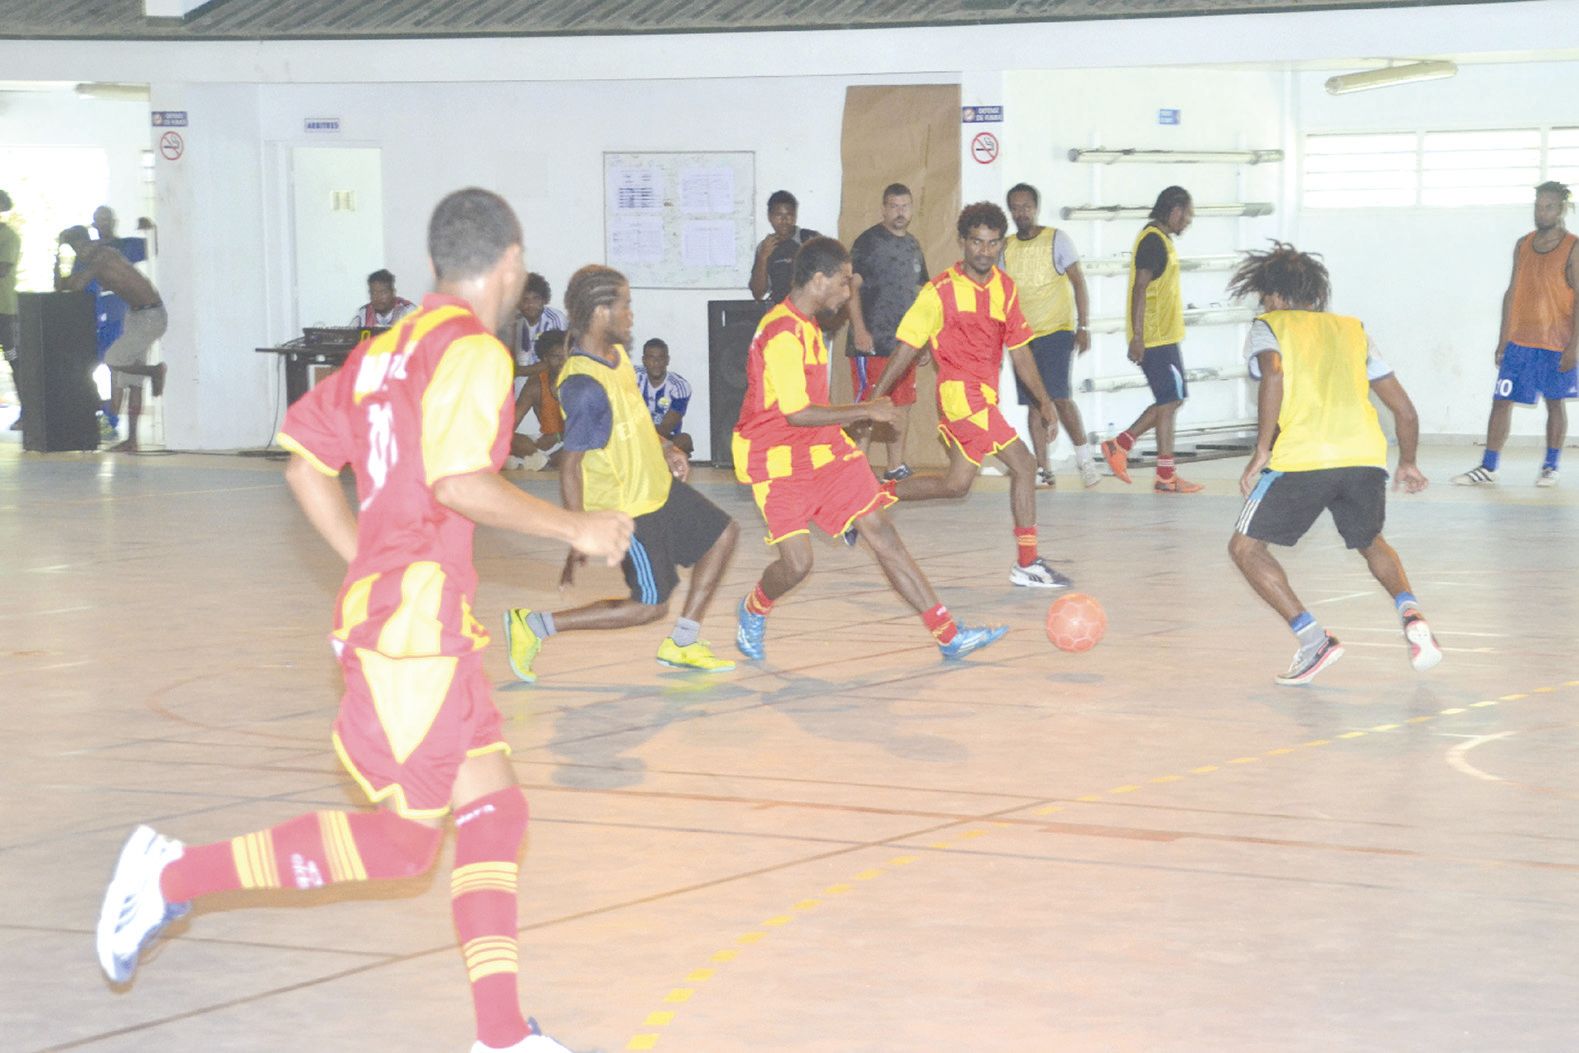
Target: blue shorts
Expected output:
[1531,372]
[1052,354]
[1164,369]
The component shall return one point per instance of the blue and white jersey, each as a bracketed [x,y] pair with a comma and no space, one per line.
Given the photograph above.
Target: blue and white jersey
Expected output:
[671,396]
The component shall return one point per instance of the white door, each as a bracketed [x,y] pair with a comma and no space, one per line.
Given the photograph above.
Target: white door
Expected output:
[337,202]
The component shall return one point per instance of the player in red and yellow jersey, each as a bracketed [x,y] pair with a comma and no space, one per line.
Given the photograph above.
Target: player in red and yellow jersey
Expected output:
[968,315]
[423,416]
[1319,448]
[791,449]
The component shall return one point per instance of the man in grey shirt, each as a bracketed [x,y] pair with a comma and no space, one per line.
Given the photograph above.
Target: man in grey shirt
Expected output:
[890,266]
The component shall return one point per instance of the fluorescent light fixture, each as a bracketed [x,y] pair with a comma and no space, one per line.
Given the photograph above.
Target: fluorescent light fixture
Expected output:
[1387,76]
[117,92]
[1100,156]
[1217,314]
[1114,265]
[1248,208]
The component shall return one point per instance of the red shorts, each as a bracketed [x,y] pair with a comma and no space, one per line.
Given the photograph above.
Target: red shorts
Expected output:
[833,496]
[980,434]
[406,724]
[867,370]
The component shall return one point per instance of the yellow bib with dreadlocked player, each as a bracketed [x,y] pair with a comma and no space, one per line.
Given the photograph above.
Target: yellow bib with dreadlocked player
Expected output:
[1327,420]
[1164,320]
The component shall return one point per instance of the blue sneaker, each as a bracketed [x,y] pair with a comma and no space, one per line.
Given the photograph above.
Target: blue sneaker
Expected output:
[134,910]
[851,537]
[751,631]
[969,639]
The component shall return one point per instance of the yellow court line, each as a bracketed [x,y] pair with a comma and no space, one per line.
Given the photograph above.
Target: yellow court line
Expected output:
[662,1018]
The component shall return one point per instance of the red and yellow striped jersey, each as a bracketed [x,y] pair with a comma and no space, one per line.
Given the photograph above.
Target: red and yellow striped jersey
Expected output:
[967,325]
[786,371]
[431,398]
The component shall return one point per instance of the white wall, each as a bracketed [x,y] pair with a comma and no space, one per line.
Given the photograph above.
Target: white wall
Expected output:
[1051,111]
[1428,282]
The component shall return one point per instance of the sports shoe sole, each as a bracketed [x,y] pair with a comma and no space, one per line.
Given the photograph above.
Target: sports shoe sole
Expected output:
[1332,655]
[728,666]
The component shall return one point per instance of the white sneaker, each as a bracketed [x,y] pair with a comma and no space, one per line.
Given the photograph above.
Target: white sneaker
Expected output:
[1476,476]
[1038,576]
[1423,650]
[134,910]
[1548,477]
[1090,475]
[536,1042]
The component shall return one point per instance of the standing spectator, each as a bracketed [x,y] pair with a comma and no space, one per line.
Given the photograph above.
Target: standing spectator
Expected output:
[891,267]
[10,257]
[774,267]
[667,394]
[533,318]
[383,307]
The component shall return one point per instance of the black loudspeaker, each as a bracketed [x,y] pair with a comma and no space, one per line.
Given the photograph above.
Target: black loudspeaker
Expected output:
[57,352]
[730,326]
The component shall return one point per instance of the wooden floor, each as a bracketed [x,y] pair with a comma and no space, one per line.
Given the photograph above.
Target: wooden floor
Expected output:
[850,846]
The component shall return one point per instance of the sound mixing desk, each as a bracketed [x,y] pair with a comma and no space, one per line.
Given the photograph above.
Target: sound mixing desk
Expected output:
[322,347]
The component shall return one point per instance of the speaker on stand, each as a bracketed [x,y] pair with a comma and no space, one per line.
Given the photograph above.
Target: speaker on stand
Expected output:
[57,352]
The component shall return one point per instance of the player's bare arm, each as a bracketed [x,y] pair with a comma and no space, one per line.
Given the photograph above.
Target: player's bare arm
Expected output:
[572,497]
[1406,423]
[1269,404]
[1507,308]
[903,358]
[486,499]
[323,502]
[881,410]
[860,336]
[1077,280]
[1571,353]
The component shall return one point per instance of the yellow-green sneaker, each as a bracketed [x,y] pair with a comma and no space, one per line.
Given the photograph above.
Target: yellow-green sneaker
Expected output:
[522,643]
[692,656]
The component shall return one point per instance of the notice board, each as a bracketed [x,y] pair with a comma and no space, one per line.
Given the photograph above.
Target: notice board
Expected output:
[680,220]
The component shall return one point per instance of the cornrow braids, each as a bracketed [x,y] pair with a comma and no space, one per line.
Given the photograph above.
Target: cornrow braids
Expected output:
[591,287]
[1299,278]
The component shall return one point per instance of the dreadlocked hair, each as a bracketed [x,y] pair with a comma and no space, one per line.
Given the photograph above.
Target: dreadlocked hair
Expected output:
[1300,278]
[1558,190]
[591,287]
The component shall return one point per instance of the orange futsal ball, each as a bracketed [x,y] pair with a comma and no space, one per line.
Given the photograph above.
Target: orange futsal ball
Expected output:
[1076,622]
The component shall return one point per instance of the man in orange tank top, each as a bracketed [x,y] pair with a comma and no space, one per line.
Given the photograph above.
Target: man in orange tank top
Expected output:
[1536,347]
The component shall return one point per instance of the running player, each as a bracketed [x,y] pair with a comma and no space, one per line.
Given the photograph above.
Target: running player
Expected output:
[1155,323]
[967,316]
[614,458]
[423,414]
[1046,269]
[790,447]
[1317,371]
[1539,339]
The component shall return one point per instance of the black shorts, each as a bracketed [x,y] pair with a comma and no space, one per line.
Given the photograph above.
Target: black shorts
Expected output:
[1052,353]
[1164,369]
[675,535]
[1283,505]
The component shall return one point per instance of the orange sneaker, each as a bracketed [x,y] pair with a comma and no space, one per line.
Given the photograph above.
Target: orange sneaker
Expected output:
[1176,485]
[1117,459]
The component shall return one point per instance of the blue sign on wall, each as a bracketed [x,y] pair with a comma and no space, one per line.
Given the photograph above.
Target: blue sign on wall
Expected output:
[169,118]
[1167,116]
[981,114]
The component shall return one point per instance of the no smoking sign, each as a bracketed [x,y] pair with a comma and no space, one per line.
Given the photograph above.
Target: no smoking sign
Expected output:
[171,146]
[984,148]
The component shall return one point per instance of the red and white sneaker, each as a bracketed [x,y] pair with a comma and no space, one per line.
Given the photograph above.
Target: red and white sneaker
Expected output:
[1423,650]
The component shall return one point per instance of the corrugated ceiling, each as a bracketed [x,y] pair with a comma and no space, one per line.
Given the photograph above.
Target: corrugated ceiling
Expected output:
[284,19]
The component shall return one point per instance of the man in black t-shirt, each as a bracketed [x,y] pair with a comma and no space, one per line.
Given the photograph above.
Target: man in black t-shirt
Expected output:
[774,265]
[891,266]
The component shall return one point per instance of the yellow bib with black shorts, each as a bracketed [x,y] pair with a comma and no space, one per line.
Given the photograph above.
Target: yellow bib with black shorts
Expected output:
[1327,420]
[1164,318]
[628,474]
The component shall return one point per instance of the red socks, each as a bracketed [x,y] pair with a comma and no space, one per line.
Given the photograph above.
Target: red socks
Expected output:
[1025,538]
[1165,469]
[488,835]
[320,848]
[1125,440]
[940,623]
[758,602]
